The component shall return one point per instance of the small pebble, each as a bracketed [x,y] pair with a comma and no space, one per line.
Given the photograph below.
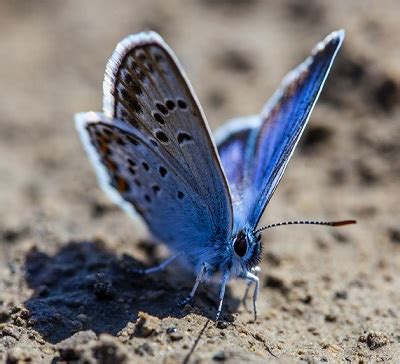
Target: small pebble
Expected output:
[219,356]
[171,330]
[144,349]
[342,295]
[374,339]
[103,288]
[222,325]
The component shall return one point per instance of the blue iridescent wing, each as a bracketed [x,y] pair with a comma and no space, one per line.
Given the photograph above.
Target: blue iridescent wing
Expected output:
[268,144]
[233,140]
[159,126]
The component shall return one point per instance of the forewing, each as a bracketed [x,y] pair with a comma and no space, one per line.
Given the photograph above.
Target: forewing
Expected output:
[283,120]
[146,91]
[139,178]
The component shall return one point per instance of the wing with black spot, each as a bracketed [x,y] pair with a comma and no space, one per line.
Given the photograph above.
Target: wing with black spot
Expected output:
[147,93]
[140,179]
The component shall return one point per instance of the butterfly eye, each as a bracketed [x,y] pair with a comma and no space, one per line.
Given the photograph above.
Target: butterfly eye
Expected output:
[240,246]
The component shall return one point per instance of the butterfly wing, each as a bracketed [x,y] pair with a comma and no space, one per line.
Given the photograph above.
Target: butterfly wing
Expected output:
[233,139]
[146,94]
[139,178]
[268,144]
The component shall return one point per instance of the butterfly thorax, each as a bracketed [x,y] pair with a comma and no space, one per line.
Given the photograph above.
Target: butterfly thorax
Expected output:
[239,256]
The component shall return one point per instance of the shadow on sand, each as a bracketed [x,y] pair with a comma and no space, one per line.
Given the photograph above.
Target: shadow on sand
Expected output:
[84,286]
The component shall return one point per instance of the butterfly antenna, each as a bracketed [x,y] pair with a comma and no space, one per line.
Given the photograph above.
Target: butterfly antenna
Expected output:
[307,222]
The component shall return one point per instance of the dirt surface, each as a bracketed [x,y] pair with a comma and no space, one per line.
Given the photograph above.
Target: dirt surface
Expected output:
[326,294]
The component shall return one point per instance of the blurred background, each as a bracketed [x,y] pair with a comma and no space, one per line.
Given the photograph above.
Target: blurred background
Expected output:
[52,60]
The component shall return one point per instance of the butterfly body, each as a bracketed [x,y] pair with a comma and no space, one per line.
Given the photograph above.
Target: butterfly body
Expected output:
[154,155]
[236,256]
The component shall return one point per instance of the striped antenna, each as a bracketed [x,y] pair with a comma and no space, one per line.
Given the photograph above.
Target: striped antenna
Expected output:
[307,222]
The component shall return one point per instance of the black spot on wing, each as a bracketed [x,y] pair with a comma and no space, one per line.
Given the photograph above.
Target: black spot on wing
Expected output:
[183,138]
[162,137]
[182,104]
[170,105]
[159,118]
[145,166]
[163,171]
[156,189]
[131,162]
[162,108]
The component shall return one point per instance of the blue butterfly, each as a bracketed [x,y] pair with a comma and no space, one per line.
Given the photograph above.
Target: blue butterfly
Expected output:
[154,155]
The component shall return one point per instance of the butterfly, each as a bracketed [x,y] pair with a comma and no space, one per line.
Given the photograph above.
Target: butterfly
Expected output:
[154,155]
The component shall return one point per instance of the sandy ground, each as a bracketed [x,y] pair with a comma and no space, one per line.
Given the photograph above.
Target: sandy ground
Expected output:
[326,295]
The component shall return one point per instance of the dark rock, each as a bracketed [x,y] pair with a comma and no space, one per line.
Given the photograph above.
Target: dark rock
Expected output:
[374,339]
[144,349]
[394,235]
[341,295]
[219,356]
[4,314]
[103,287]
[330,317]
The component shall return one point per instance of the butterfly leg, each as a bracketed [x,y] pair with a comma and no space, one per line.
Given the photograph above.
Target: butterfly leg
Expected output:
[222,294]
[199,278]
[246,294]
[156,268]
[253,278]
[255,271]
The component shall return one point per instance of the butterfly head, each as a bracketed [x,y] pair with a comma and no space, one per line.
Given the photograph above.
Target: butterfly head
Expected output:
[247,248]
